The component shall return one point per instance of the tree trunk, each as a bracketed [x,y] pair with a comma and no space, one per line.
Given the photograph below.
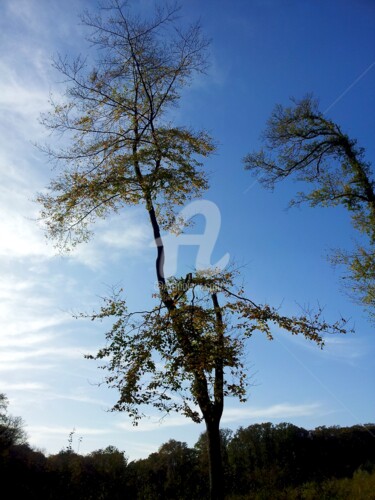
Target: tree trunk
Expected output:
[214,460]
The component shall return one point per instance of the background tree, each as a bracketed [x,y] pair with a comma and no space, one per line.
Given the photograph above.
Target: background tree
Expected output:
[123,151]
[302,143]
[11,428]
[171,472]
[203,465]
[108,478]
[261,461]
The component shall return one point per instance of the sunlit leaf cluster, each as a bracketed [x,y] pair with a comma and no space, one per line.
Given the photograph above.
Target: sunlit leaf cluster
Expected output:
[121,149]
[156,357]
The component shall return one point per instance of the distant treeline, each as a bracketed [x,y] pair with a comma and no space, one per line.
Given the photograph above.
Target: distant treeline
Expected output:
[262,461]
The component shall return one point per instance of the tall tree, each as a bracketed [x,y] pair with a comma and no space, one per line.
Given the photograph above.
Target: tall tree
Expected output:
[301,142]
[183,355]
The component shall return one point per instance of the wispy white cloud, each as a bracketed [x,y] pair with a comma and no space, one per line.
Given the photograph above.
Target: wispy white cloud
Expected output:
[154,423]
[24,94]
[80,399]
[79,395]
[134,235]
[23,386]
[37,431]
[20,236]
[128,234]
[20,169]
[55,20]
[24,340]
[11,356]
[346,348]
[274,412]
[32,325]
[15,368]
[21,99]
[27,311]
[277,411]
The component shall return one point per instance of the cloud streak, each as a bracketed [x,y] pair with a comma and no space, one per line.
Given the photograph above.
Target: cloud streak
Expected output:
[277,411]
[57,430]
[231,415]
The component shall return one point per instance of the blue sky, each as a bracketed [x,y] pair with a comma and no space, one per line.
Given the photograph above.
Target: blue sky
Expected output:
[262,53]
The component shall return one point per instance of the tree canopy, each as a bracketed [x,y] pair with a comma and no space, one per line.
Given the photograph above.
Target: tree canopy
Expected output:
[196,340]
[300,142]
[122,149]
